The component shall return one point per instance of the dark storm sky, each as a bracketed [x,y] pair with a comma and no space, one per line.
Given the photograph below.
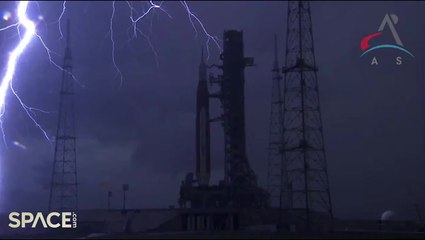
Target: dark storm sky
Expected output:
[143,132]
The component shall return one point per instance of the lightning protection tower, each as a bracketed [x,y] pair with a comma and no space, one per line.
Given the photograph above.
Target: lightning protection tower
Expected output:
[303,162]
[64,190]
[277,180]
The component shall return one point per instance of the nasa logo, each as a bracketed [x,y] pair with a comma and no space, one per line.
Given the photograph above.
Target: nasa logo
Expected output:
[389,20]
[63,220]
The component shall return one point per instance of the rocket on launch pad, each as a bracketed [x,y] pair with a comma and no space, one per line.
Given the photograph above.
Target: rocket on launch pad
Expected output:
[203,163]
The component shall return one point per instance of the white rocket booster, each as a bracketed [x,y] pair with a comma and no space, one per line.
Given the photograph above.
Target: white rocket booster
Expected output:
[203,164]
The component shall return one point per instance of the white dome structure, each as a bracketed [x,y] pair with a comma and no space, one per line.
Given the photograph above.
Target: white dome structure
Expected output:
[388,215]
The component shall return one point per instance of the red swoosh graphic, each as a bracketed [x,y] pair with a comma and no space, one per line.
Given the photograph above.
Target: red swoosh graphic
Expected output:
[364,44]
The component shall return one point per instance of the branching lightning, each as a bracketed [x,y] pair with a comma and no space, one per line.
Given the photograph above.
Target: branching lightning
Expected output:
[135,21]
[136,30]
[16,53]
[30,33]
[7,81]
[191,16]
[151,8]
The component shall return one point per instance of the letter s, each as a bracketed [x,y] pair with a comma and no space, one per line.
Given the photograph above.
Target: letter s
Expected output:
[14,217]
[398,61]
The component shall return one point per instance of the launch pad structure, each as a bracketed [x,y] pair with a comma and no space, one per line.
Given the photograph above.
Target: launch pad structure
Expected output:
[299,176]
[298,188]
[238,191]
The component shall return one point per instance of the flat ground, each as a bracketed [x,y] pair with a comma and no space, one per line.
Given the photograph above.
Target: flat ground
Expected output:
[267,235]
[235,235]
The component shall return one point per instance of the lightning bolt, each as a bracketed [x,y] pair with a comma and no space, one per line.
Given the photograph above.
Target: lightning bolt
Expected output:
[192,16]
[16,53]
[136,30]
[7,81]
[151,8]
[60,18]
[30,33]
[111,30]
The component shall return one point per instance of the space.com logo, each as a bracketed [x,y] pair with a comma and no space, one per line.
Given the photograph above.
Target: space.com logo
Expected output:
[52,220]
[389,21]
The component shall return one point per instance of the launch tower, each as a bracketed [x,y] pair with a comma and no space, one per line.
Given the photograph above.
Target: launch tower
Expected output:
[303,178]
[64,190]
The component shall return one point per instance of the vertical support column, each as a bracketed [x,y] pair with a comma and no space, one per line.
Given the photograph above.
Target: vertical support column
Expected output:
[190,222]
[184,221]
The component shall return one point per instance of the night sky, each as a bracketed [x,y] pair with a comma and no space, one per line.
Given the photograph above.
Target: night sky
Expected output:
[143,132]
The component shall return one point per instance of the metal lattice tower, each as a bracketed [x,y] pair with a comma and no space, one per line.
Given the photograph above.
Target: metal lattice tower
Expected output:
[64,190]
[277,181]
[304,159]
